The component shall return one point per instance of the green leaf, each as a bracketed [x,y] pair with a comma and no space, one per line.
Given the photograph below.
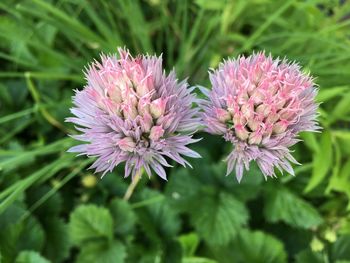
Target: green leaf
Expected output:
[326,94]
[260,247]
[123,216]
[57,243]
[182,190]
[322,161]
[211,5]
[88,222]
[30,257]
[159,221]
[102,252]
[171,252]
[309,256]
[189,243]
[342,109]
[219,218]
[341,248]
[283,205]
[197,260]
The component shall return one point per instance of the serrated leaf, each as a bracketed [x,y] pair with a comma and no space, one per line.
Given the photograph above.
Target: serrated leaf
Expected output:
[90,222]
[52,206]
[123,216]
[340,250]
[30,257]
[102,252]
[57,239]
[322,161]
[283,205]
[309,256]
[171,252]
[16,235]
[260,247]
[159,221]
[218,218]
[182,190]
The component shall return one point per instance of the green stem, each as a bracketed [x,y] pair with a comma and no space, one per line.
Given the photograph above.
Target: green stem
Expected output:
[133,184]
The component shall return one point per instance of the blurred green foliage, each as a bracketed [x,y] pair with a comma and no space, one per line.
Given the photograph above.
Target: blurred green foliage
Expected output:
[53,210]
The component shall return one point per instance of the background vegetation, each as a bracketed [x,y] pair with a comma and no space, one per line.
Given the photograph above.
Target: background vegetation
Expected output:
[54,210]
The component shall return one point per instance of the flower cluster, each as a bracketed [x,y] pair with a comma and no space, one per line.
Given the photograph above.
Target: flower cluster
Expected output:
[132,112]
[260,105]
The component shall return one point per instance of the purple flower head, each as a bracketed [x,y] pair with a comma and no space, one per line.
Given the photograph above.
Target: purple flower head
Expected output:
[131,111]
[260,105]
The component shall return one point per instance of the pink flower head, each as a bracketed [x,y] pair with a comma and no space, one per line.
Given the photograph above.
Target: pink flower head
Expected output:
[131,111]
[260,105]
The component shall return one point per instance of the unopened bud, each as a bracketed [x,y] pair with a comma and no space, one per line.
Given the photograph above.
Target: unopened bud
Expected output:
[141,89]
[316,245]
[253,124]
[241,132]
[280,126]
[330,235]
[156,133]
[143,106]
[126,144]
[89,181]
[115,94]
[263,109]
[147,122]
[255,137]
[157,107]
[222,115]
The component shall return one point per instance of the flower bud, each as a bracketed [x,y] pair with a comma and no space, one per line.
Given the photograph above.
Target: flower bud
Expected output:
[141,89]
[241,132]
[316,245]
[263,109]
[143,106]
[147,122]
[255,137]
[280,127]
[126,144]
[223,115]
[156,133]
[115,94]
[157,107]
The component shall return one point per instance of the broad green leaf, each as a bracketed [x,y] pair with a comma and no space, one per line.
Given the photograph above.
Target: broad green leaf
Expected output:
[189,243]
[30,257]
[182,190]
[57,242]
[171,251]
[102,252]
[260,247]
[123,216]
[283,205]
[309,256]
[159,221]
[88,222]
[340,250]
[219,218]
[322,161]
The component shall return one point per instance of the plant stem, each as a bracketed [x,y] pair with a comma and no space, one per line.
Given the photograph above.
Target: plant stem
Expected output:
[132,186]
